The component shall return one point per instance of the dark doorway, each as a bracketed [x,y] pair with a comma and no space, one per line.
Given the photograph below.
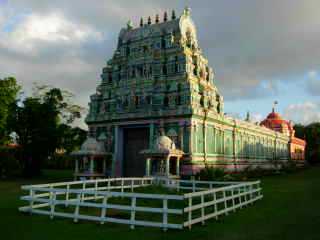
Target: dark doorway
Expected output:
[135,140]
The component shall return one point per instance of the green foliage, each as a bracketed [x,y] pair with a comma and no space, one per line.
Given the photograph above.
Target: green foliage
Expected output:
[211,174]
[289,210]
[8,95]
[9,165]
[39,124]
[59,161]
[311,133]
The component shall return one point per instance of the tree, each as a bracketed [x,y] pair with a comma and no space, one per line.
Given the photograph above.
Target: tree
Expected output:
[311,133]
[8,95]
[38,122]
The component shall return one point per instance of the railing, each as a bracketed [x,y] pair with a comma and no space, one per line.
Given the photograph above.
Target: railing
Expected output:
[207,200]
[212,203]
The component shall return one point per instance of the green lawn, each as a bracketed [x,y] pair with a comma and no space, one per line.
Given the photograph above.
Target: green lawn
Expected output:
[290,210]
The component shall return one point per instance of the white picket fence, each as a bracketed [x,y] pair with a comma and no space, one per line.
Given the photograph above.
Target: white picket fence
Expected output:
[196,201]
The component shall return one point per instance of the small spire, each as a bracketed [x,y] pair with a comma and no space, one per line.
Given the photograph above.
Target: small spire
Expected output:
[141,22]
[157,18]
[248,116]
[129,24]
[165,17]
[149,20]
[173,15]
[274,106]
[187,11]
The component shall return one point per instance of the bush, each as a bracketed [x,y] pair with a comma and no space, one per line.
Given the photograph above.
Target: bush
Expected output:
[211,174]
[9,164]
[59,161]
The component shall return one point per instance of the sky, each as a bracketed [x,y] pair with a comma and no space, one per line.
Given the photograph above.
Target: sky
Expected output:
[261,51]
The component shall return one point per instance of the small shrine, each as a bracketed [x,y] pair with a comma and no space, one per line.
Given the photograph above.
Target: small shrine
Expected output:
[163,160]
[92,160]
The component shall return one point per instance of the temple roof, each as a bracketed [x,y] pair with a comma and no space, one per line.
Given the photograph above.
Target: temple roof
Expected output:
[163,146]
[91,147]
[151,30]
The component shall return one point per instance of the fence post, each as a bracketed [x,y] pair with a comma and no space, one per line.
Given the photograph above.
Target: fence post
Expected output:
[251,193]
[109,185]
[190,212]
[202,209]
[225,202]
[31,194]
[259,192]
[133,211]
[52,204]
[132,182]
[165,214]
[122,182]
[215,204]
[83,188]
[240,197]
[193,186]
[245,194]
[76,211]
[178,185]
[104,209]
[67,195]
[95,189]
[233,200]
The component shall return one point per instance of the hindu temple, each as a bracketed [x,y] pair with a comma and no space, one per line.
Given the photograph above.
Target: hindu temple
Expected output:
[159,83]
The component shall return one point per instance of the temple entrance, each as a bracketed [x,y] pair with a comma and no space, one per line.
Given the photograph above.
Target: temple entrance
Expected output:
[135,140]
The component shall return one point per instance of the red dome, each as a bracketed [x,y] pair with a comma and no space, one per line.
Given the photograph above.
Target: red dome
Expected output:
[274,115]
[275,122]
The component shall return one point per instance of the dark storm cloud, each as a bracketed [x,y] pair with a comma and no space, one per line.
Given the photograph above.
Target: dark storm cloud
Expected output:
[251,44]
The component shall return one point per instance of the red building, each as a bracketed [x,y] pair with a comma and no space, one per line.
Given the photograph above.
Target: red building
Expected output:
[297,146]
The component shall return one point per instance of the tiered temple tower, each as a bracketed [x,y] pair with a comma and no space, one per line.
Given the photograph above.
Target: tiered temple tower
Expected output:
[158,82]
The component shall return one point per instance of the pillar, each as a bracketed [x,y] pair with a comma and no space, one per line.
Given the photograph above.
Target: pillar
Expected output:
[148,164]
[168,166]
[178,167]
[91,164]
[115,155]
[76,170]
[151,134]
[181,131]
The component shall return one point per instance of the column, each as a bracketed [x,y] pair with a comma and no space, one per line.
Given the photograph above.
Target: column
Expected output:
[151,134]
[181,131]
[115,154]
[148,164]
[189,128]
[91,164]
[178,167]
[168,166]
[76,170]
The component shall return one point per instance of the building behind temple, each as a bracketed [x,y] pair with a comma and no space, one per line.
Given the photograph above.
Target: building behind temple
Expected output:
[158,82]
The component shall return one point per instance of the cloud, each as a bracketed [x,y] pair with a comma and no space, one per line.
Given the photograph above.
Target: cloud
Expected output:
[254,46]
[313,83]
[303,113]
[53,28]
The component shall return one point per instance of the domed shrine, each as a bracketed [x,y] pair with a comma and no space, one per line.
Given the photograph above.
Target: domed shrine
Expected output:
[91,160]
[297,146]
[163,159]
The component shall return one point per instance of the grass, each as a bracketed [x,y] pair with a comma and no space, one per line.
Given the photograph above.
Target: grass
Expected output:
[290,209]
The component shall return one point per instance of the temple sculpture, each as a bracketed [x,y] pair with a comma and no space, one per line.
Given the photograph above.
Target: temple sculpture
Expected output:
[159,83]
